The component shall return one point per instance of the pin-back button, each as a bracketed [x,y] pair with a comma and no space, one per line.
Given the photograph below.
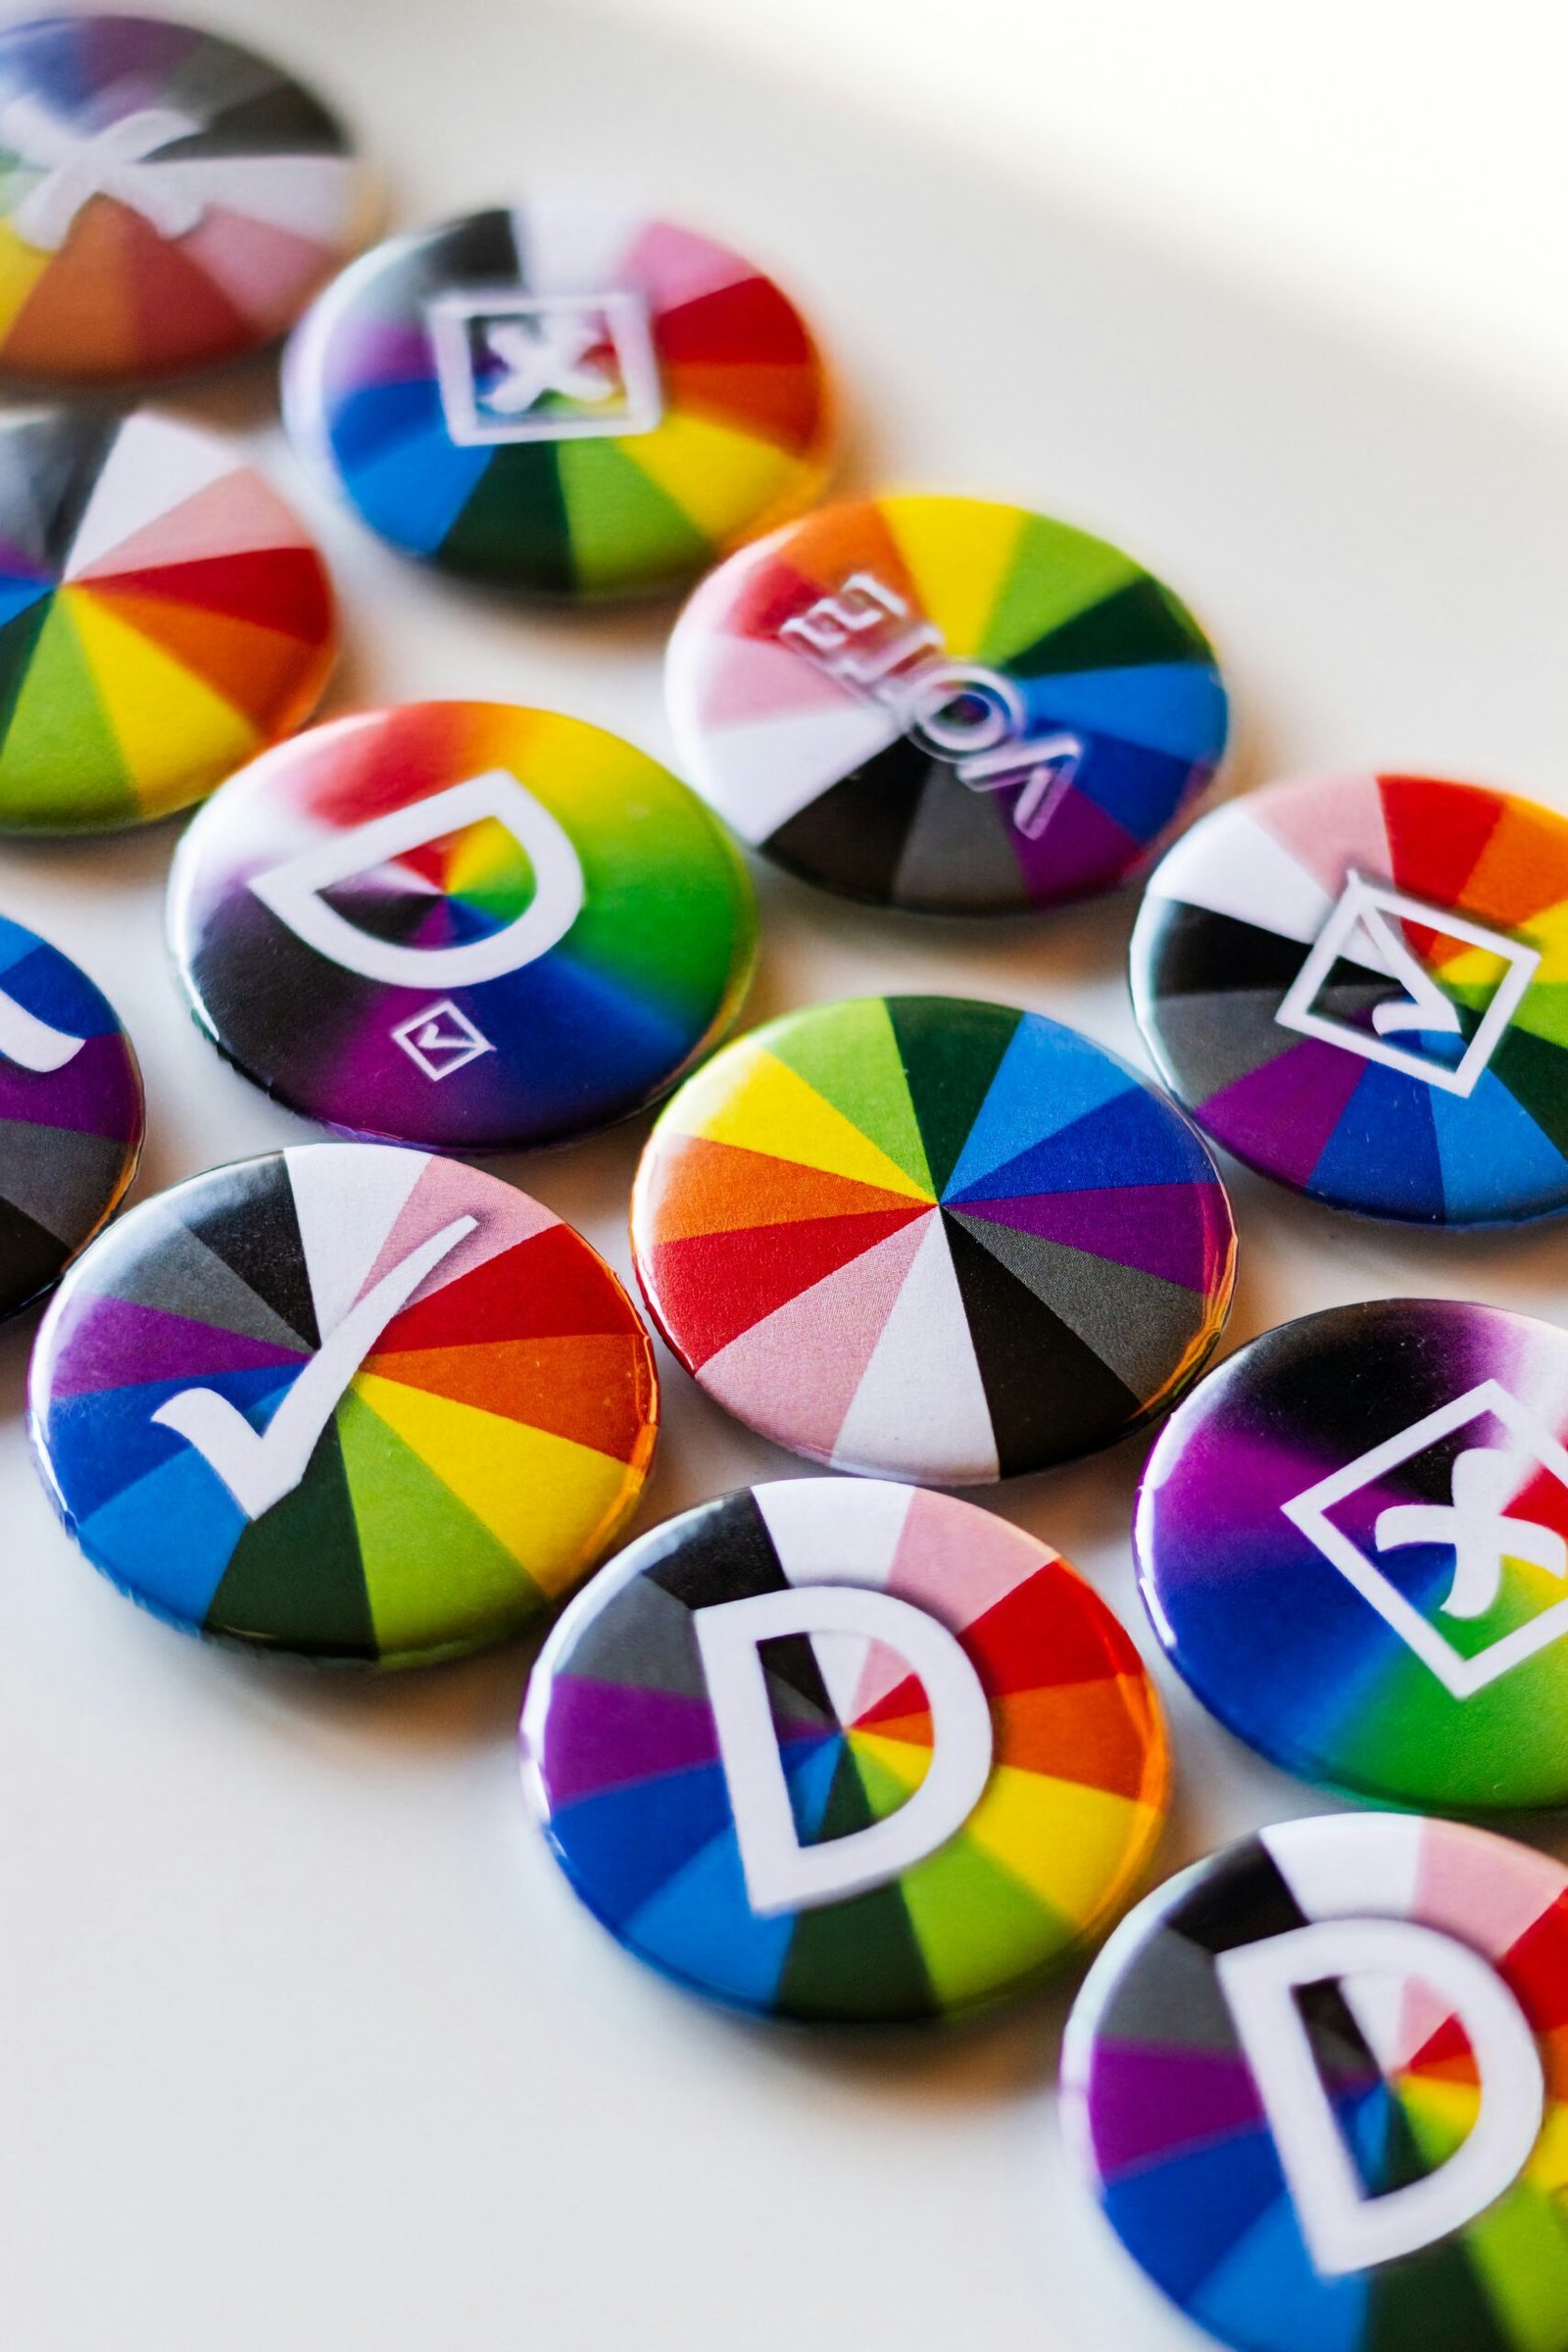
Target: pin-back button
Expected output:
[1316,2083]
[167,200]
[942,702]
[945,1239]
[581,403]
[838,1749]
[1353,1542]
[163,617]
[1354,984]
[348,1401]
[70,1114]
[461,924]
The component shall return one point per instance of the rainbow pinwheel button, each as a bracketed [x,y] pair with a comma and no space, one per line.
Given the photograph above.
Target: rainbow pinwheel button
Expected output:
[70,1114]
[1354,983]
[945,1239]
[940,702]
[346,1402]
[167,200]
[461,924]
[578,403]
[1354,1541]
[834,1749]
[163,617]
[1316,2084]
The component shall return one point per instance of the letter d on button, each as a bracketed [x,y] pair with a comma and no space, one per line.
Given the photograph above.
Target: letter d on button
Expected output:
[781,1874]
[293,891]
[1345,2229]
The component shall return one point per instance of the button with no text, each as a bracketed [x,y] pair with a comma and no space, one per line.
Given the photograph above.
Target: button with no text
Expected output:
[163,615]
[944,1240]
[838,1749]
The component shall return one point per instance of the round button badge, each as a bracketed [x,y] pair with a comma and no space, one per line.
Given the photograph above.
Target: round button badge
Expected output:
[579,403]
[1317,2086]
[167,199]
[1353,1542]
[837,1750]
[70,1114]
[162,617]
[945,1239]
[356,1403]
[940,702]
[461,924]
[1352,983]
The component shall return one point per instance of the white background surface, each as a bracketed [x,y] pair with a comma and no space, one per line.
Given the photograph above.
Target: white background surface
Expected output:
[300,2042]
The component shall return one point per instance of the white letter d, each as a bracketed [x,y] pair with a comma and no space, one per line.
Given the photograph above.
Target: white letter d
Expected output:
[1345,2229]
[781,1874]
[293,891]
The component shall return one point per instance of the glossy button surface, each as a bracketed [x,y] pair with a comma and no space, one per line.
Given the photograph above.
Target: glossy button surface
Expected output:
[1354,1541]
[162,617]
[581,403]
[1317,2083]
[70,1114]
[839,1749]
[348,1401]
[942,702]
[461,924]
[167,199]
[1355,984]
[942,1239]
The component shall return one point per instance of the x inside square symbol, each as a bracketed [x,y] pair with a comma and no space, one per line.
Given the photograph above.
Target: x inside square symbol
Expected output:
[1464,1524]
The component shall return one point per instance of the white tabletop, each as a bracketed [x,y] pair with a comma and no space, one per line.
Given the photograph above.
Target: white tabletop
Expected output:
[302,2044]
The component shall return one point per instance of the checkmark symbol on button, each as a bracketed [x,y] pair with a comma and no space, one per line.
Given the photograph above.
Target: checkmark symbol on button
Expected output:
[259,1467]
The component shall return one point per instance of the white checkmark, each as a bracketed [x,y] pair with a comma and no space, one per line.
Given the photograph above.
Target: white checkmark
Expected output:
[259,1467]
